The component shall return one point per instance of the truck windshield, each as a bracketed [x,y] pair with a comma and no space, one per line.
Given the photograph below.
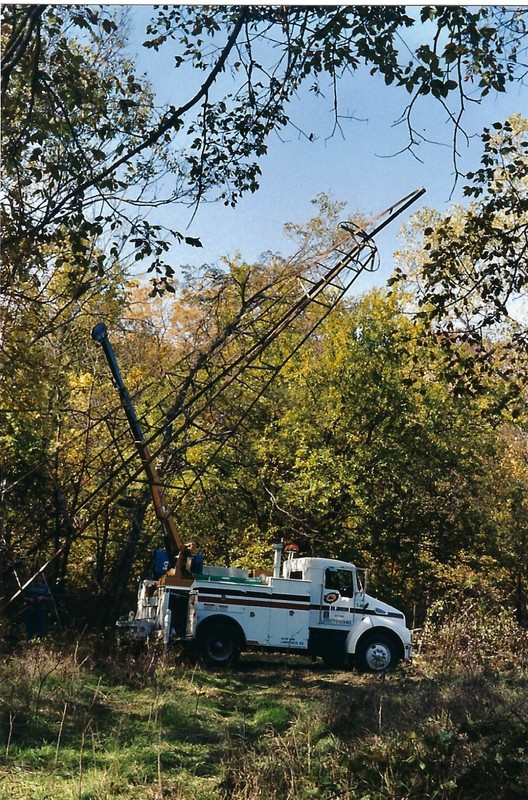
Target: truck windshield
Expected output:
[340,580]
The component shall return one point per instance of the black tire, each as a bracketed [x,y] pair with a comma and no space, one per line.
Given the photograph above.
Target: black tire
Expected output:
[377,653]
[219,644]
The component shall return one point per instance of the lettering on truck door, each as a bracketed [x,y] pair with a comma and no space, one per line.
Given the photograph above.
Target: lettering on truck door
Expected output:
[337,600]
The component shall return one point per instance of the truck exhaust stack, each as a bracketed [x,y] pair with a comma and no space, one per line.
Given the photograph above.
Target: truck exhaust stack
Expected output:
[278,547]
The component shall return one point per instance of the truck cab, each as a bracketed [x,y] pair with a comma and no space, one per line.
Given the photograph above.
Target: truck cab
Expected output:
[346,623]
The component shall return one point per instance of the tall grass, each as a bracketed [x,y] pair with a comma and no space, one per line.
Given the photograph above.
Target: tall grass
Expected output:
[78,722]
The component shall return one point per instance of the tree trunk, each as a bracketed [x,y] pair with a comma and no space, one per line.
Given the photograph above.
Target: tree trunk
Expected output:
[119,577]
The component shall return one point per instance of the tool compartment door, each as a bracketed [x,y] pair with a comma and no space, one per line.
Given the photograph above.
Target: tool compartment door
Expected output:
[290,615]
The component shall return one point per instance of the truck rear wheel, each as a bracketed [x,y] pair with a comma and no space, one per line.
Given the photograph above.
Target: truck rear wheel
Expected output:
[219,644]
[377,652]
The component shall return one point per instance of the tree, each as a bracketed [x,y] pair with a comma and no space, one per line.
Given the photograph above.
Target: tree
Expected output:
[360,450]
[46,415]
[230,313]
[468,268]
[84,145]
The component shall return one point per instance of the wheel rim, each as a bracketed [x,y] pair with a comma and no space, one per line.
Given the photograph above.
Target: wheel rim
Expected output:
[219,648]
[378,656]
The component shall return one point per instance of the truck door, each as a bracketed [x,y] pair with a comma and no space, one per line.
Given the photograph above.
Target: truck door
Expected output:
[337,599]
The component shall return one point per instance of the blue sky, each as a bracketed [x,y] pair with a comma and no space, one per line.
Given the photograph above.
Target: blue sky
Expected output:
[359,167]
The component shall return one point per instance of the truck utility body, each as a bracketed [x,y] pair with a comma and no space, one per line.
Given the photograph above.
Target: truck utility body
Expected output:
[315,606]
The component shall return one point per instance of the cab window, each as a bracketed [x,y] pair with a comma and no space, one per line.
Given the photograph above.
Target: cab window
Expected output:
[340,580]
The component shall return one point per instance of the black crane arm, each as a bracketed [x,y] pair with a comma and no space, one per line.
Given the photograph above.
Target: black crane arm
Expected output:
[173,542]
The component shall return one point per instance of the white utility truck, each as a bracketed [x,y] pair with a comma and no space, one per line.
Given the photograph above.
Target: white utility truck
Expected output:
[316,606]
[313,606]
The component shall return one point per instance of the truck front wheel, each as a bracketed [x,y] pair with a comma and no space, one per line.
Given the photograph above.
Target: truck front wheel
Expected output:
[219,644]
[377,653]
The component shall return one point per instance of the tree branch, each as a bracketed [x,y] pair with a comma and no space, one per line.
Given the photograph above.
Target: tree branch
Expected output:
[171,121]
[19,42]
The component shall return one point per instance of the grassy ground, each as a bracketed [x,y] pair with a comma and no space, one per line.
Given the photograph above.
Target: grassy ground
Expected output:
[77,722]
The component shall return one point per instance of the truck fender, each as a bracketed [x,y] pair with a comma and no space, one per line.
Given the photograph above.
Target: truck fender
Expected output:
[384,626]
[356,633]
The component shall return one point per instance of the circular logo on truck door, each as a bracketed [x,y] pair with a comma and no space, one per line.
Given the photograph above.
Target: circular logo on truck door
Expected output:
[331,597]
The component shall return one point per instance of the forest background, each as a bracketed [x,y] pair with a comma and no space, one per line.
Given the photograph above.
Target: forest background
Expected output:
[395,437]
